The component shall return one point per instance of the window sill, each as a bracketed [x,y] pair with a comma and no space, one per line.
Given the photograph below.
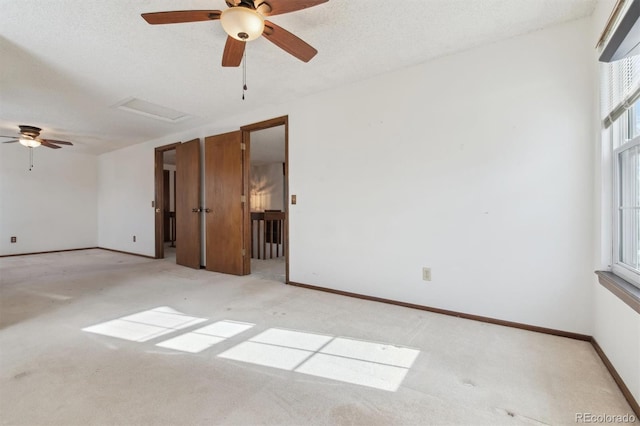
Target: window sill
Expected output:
[622,288]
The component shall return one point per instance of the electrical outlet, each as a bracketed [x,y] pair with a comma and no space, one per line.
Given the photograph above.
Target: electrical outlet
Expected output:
[426,274]
[134,238]
[14,239]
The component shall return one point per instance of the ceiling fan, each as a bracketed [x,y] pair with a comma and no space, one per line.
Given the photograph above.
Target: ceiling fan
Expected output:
[29,137]
[244,21]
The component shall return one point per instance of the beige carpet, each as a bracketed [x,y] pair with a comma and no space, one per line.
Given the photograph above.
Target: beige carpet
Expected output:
[95,337]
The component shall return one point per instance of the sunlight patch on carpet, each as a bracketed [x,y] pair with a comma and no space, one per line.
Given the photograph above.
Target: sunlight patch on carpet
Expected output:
[146,325]
[205,337]
[358,362]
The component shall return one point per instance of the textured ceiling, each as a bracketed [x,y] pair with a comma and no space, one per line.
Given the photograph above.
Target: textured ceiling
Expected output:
[67,63]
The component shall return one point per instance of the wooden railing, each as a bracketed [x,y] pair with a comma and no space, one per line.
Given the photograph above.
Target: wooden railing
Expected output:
[267,231]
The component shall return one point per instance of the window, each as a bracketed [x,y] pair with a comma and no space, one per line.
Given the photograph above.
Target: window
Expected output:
[626,259]
[634,120]
[621,87]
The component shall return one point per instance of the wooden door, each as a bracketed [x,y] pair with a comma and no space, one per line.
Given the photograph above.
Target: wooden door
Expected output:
[188,204]
[224,162]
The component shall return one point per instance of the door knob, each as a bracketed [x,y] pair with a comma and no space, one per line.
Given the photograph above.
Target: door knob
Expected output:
[198,210]
[157,210]
[207,210]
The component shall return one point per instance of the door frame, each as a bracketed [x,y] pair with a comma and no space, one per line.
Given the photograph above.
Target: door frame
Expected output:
[158,158]
[246,140]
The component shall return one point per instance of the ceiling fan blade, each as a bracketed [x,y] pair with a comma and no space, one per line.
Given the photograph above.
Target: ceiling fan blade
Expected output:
[14,141]
[278,7]
[288,42]
[49,145]
[55,141]
[180,16]
[233,51]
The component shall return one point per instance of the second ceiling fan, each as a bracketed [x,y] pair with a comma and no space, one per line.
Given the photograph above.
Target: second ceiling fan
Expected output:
[244,21]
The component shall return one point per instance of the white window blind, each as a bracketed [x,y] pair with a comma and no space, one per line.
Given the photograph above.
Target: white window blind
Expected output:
[620,88]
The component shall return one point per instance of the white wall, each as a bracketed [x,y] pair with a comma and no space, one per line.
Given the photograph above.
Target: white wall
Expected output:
[617,331]
[53,206]
[267,187]
[126,191]
[477,165]
[616,327]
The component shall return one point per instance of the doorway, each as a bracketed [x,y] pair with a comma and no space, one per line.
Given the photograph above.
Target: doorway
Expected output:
[164,203]
[185,220]
[169,203]
[267,186]
[228,233]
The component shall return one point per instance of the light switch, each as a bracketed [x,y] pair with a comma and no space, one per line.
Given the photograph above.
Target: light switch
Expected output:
[293,199]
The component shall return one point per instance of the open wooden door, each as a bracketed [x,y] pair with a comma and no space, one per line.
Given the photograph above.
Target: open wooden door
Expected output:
[224,162]
[188,204]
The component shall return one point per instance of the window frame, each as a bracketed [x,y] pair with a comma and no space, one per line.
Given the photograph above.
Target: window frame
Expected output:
[617,266]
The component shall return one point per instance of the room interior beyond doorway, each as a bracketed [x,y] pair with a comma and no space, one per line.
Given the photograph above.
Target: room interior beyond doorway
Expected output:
[267,190]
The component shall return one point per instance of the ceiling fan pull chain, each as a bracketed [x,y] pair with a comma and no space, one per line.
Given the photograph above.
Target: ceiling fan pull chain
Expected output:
[30,158]
[244,72]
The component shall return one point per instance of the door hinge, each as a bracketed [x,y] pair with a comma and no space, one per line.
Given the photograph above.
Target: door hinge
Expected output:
[243,252]
[243,198]
[243,146]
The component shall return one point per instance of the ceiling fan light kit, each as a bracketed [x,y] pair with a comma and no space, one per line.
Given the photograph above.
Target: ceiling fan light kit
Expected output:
[242,23]
[29,142]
